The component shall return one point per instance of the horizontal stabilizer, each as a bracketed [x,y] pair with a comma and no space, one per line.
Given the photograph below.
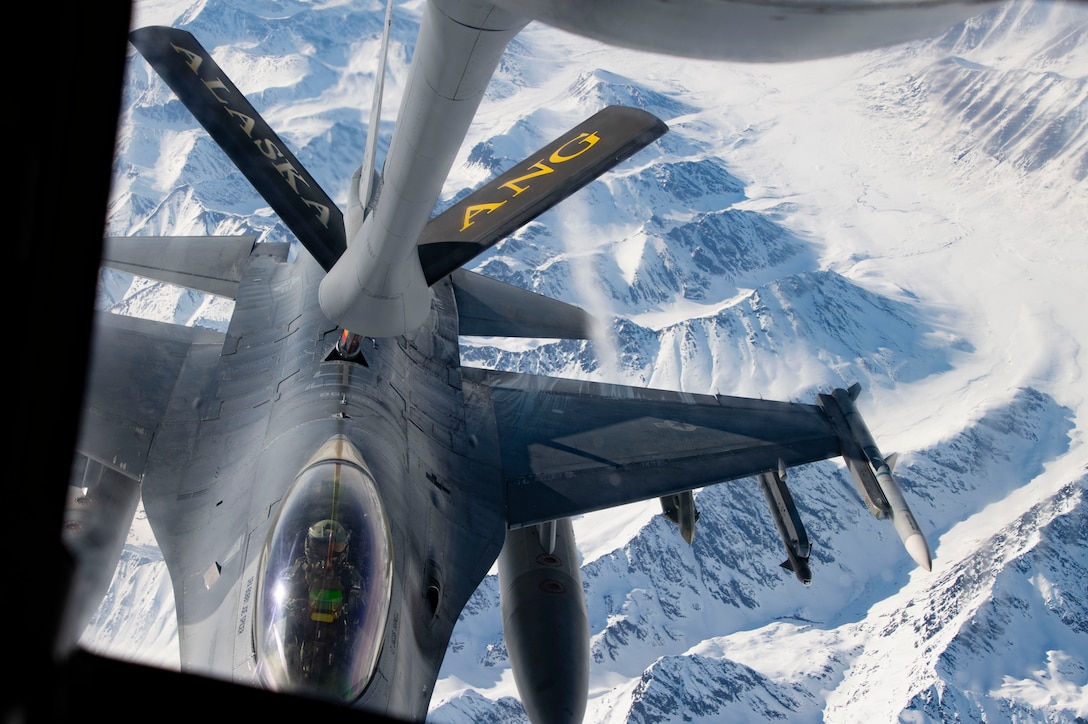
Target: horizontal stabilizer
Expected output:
[489,308]
[530,188]
[210,264]
[241,132]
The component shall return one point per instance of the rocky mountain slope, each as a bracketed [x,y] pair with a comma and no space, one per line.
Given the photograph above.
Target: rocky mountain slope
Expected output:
[912,219]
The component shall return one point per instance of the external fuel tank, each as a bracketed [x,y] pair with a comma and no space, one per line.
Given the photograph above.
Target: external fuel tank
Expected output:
[544,620]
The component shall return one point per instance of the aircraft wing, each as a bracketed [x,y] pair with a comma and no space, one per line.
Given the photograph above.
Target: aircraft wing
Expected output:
[134,368]
[568,447]
[210,264]
[136,364]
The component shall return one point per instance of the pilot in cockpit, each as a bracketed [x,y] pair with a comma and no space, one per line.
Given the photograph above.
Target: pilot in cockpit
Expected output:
[323,587]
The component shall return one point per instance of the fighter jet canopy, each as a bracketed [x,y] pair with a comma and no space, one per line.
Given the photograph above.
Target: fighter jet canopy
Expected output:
[325,582]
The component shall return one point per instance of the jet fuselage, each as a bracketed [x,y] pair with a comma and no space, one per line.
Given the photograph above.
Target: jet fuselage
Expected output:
[231,448]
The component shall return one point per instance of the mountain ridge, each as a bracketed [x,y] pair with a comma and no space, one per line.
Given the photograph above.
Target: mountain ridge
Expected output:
[801,227]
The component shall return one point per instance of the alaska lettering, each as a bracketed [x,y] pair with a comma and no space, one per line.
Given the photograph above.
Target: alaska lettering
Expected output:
[248,124]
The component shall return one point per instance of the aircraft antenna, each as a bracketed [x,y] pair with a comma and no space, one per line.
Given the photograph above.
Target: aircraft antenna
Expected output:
[366,177]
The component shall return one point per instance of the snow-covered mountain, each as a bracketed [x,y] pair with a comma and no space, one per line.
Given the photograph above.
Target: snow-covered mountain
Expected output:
[912,218]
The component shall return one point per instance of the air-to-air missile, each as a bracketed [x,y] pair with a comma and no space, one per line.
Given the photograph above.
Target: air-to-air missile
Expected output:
[873,472]
[788,523]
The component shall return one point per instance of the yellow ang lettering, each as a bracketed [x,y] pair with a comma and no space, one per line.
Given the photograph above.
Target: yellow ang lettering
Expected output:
[538,169]
[541,170]
[590,139]
[471,211]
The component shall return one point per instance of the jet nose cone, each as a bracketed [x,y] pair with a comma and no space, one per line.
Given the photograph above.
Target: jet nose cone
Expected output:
[919,550]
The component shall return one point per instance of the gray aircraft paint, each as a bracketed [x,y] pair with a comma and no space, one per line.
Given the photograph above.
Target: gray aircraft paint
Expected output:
[217,426]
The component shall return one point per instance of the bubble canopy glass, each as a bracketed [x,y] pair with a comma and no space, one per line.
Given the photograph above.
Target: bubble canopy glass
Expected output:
[326,576]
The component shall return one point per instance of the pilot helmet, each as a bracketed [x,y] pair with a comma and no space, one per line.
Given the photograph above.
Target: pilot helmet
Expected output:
[326,541]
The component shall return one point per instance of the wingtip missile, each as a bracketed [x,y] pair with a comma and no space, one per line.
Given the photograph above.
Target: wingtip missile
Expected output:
[902,518]
[873,472]
[919,550]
